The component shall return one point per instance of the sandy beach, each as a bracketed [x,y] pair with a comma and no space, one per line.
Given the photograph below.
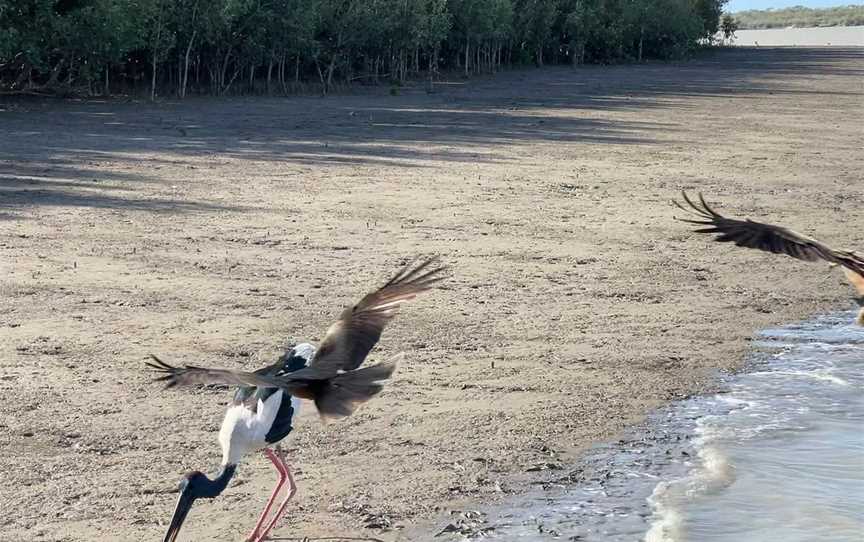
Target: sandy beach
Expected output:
[214,232]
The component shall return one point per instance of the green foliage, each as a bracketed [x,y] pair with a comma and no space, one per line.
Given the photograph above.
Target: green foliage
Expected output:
[728,25]
[534,21]
[709,12]
[802,17]
[253,46]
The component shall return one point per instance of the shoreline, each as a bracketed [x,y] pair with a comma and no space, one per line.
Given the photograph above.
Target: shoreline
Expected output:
[577,303]
[625,478]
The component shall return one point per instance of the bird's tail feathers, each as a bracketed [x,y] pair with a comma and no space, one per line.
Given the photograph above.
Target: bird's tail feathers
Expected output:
[339,396]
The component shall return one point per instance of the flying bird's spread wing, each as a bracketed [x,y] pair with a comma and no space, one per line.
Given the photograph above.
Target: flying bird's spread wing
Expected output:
[333,379]
[355,333]
[336,395]
[189,375]
[768,237]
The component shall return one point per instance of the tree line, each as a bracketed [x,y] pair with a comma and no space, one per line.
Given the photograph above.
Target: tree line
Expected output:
[801,17]
[221,47]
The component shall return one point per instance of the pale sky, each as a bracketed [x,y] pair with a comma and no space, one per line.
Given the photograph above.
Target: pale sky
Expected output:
[741,5]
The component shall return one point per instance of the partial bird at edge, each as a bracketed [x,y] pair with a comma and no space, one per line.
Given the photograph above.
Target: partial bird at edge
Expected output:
[775,239]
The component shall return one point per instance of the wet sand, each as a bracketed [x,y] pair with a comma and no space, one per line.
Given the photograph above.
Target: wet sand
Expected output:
[214,231]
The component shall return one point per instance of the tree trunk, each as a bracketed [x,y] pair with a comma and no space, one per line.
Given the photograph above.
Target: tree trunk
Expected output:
[155,47]
[330,69]
[153,79]
[26,70]
[283,78]
[223,72]
[280,71]
[433,53]
[185,77]
[320,76]
[467,47]
[231,82]
[270,75]
[348,66]
[52,81]
[431,88]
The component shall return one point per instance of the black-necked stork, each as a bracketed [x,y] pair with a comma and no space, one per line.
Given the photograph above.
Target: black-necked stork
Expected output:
[266,401]
[778,240]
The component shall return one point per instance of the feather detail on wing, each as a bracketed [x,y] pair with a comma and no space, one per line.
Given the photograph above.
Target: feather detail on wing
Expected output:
[190,375]
[336,395]
[332,379]
[350,339]
[766,237]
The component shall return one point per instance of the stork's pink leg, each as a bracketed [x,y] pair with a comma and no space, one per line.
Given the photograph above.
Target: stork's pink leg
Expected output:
[283,476]
[292,489]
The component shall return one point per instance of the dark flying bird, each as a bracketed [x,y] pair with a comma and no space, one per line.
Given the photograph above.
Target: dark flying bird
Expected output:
[266,401]
[776,239]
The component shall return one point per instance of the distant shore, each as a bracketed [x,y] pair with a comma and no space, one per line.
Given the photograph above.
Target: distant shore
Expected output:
[799,17]
[833,36]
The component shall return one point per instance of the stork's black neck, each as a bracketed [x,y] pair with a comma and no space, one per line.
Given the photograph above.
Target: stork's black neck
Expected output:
[207,488]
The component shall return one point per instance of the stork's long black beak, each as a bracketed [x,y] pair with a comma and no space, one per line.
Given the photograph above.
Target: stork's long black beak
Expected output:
[184,504]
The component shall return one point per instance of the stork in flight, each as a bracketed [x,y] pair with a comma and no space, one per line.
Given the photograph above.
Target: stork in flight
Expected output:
[266,401]
[778,240]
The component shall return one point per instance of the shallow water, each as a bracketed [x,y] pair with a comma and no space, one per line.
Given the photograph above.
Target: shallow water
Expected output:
[844,36]
[778,456]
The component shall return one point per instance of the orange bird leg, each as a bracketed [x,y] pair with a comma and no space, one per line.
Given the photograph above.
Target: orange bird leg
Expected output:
[292,489]
[283,476]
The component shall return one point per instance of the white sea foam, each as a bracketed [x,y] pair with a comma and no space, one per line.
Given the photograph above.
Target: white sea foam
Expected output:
[765,419]
[667,525]
[715,473]
[819,374]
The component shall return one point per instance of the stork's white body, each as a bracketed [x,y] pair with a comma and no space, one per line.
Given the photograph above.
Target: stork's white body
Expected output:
[244,429]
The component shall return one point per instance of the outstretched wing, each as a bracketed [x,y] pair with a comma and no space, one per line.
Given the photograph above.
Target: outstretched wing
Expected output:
[766,237]
[349,340]
[345,346]
[189,375]
[336,394]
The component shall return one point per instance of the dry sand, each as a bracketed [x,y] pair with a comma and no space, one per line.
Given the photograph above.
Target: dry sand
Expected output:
[214,231]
